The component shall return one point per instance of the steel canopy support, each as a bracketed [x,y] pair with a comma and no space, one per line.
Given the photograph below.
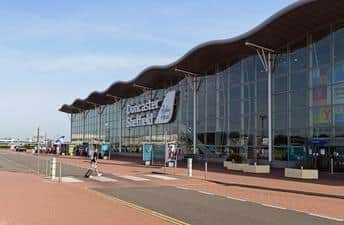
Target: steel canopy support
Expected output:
[264,55]
[96,106]
[116,98]
[192,80]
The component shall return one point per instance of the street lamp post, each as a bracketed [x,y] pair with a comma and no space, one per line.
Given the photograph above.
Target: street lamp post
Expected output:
[116,98]
[264,55]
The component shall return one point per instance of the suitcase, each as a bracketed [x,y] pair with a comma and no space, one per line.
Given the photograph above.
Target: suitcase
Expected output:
[88,173]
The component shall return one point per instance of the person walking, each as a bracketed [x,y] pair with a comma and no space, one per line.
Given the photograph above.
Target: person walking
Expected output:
[94,166]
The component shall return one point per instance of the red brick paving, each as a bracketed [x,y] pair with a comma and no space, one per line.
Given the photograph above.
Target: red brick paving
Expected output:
[333,207]
[27,199]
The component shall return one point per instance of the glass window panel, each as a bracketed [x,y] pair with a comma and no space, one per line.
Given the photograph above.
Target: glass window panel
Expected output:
[262,88]
[261,73]
[321,76]
[249,107]
[339,72]
[299,80]
[300,118]
[249,90]
[280,102]
[280,120]
[235,74]
[298,136]
[299,99]
[248,66]
[298,57]
[280,153]
[321,95]
[338,94]
[338,111]
[280,137]
[339,131]
[282,66]
[322,132]
[321,116]
[321,51]
[235,110]
[280,84]
[235,93]
[339,43]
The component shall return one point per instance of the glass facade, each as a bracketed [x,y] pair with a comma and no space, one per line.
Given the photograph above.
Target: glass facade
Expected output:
[307,106]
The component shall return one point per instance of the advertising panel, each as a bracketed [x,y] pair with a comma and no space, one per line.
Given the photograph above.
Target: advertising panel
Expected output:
[147,152]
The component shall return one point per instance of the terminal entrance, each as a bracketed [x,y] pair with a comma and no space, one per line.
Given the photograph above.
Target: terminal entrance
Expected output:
[322,155]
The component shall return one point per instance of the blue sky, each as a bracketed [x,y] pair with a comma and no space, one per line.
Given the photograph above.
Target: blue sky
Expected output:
[52,52]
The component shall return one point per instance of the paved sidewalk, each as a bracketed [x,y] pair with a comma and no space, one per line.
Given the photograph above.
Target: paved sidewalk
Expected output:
[30,200]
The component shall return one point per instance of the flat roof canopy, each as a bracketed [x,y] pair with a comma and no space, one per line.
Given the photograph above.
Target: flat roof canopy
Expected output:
[288,24]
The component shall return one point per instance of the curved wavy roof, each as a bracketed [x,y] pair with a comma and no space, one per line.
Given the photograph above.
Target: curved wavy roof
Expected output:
[288,24]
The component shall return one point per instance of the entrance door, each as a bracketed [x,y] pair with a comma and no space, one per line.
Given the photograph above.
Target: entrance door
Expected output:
[321,157]
[338,159]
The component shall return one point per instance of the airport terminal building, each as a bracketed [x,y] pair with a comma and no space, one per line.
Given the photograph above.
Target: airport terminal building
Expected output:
[223,87]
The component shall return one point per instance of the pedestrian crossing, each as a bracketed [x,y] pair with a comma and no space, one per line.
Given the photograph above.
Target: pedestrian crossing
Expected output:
[103,179]
[133,178]
[162,177]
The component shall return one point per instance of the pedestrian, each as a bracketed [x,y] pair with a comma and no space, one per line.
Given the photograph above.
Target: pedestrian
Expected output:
[94,159]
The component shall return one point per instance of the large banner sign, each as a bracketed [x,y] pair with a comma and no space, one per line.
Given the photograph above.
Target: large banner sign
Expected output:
[147,113]
[166,110]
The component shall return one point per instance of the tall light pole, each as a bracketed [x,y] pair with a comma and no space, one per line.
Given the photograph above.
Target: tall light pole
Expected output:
[193,85]
[264,55]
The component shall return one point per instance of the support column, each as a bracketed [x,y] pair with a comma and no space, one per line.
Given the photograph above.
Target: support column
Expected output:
[269,108]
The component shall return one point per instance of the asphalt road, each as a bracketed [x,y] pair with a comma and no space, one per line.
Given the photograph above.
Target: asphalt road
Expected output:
[203,209]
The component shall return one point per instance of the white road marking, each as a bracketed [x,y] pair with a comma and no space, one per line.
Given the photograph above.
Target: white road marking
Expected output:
[128,177]
[273,206]
[326,217]
[237,199]
[162,177]
[103,179]
[183,188]
[206,193]
[70,180]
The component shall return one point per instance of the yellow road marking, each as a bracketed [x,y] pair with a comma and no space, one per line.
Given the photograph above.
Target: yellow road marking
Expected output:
[140,208]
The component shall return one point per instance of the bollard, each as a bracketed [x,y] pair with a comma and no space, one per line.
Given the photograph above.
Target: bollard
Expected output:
[205,170]
[331,165]
[37,165]
[46,168]
[190,167]
[60,175]
[53,168]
